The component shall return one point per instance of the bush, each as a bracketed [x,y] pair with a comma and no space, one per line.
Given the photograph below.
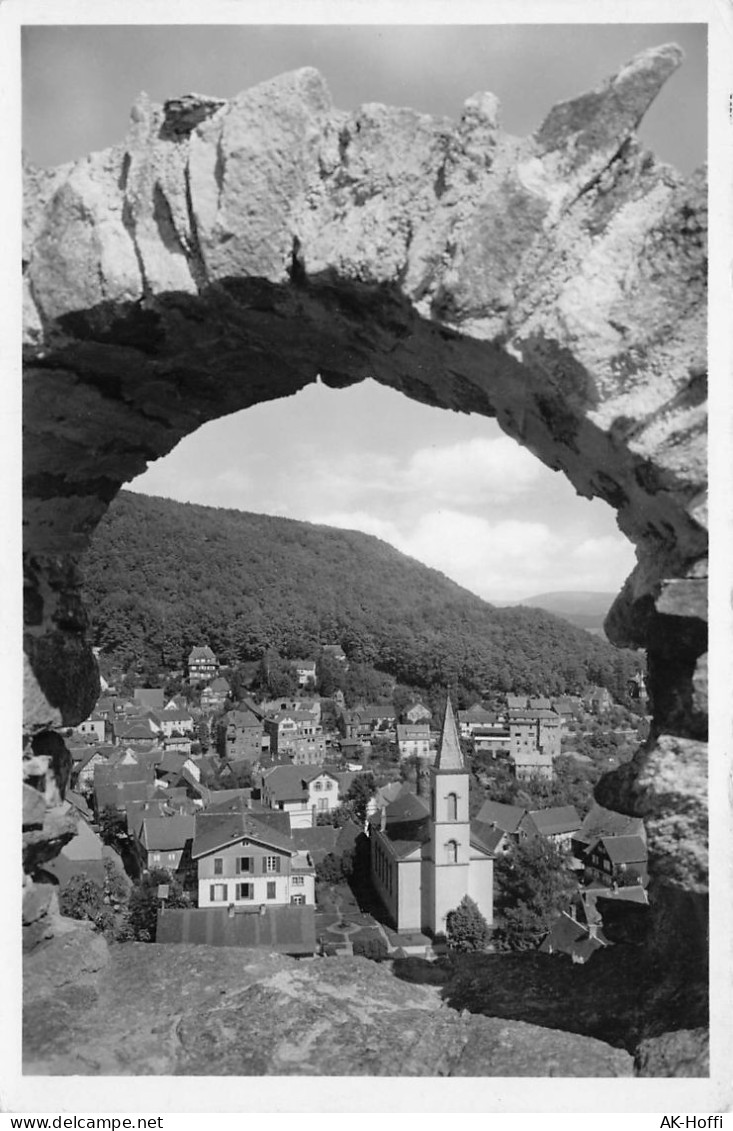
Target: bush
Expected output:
[82,898]
[466,929]
[374,948]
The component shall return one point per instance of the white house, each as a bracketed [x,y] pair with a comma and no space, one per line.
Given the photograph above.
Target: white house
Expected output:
[301,791]
[243,861]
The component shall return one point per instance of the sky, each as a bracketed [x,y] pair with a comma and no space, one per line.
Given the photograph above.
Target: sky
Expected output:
[450,490]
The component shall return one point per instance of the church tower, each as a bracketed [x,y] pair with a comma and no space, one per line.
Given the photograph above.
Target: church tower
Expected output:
[449,854]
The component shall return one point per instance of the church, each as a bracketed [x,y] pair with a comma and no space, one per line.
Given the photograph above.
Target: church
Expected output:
[425,857]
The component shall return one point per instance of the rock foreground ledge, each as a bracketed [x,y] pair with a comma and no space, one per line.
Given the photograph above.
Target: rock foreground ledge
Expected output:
[202,1011]
[227,253]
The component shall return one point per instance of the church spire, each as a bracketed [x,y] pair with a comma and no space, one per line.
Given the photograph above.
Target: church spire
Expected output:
[450,755]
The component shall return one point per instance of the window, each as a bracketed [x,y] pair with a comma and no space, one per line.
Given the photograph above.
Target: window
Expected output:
[299,900]
[323,803]
[318,785]
[272,863]
[328,785]
[245,864]
[452,807]
[298,881]
[451,852]
[218,893]
[271,889]
[218,866]
[245,891]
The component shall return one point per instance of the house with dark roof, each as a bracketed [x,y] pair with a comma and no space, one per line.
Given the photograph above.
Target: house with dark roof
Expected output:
[507,818]
[534,740]
[413,740]
[599,822]
[305,671]
[215,694]
[426,855]
[287,930]
[558,823]
[417,713]
[302,792]
[151,698]
[243,859]
[474,718]
[165,841]
[95,727]
[239,736]
[202,664]
[569,936]
[620,859]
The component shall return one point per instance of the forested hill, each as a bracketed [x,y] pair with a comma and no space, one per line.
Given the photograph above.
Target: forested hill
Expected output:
[161,576]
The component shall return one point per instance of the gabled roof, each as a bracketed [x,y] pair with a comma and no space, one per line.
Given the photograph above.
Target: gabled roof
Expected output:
[476,714]
[606,822]
[230,800]
[406,807]
[624,849]
[556,820]
[216,831]
[118,794]
[129,731]
[540,701]
[244,719]
[516,701]
[220,684]
[532,714]
[450,755]
[387,793]
[106,774]
[289,930]
[167,834]
[408,731]
[488,837]
[319,840]
[201,652]
[149,696]
[304,665]
[173,716]
[505,817]
[290,783]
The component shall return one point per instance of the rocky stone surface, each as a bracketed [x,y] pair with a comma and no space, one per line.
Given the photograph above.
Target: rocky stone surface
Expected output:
[202,1011]
[227,253]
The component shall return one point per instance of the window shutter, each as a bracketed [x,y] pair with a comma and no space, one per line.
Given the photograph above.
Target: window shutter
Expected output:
[264,865]
[277,863]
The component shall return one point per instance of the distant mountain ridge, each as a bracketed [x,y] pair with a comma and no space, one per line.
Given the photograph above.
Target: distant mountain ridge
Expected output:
[584,608]
[161,576]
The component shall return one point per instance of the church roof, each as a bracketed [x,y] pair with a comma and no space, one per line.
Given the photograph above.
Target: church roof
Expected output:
[450,755]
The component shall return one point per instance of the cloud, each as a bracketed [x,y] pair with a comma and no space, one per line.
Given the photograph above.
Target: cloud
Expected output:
[476,471]
[503,561]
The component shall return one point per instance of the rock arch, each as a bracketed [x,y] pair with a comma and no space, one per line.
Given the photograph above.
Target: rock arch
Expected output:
[227,253]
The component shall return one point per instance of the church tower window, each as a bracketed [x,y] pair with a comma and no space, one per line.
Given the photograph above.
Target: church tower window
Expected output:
[451,852]
[452,806]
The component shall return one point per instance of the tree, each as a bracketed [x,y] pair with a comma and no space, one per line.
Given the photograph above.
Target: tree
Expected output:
[145,903]
[534,886]
[466,929]
[360,793]
[112,826]
[82,898]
